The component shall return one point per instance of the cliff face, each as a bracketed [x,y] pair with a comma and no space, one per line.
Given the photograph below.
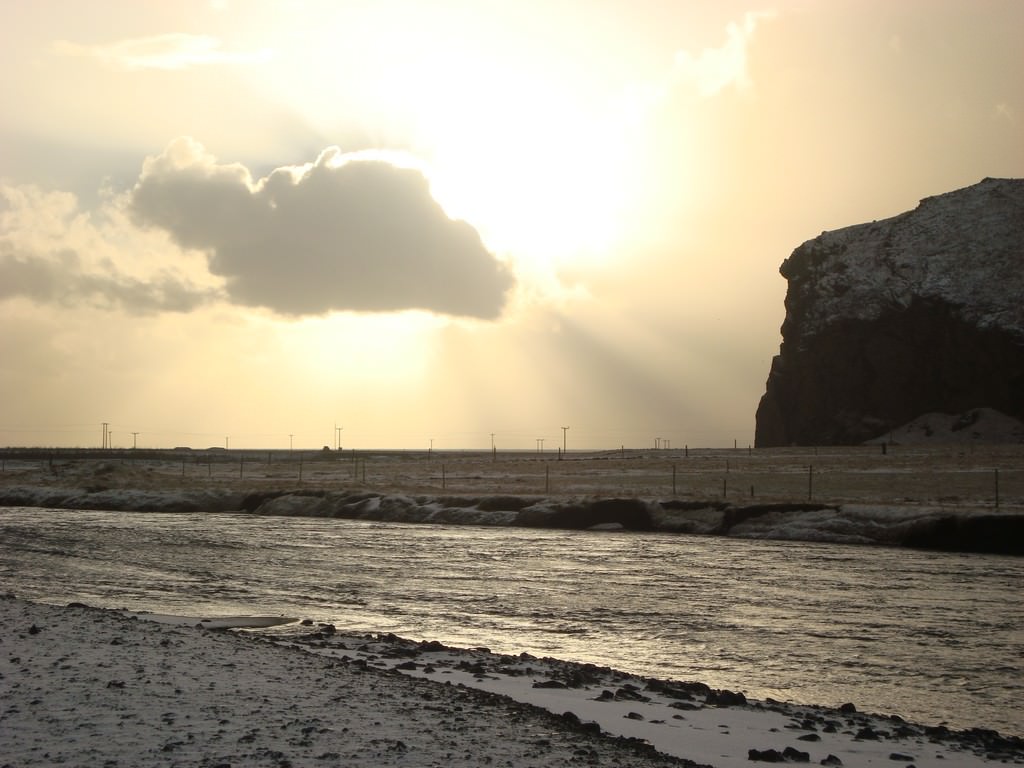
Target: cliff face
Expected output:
[923,312]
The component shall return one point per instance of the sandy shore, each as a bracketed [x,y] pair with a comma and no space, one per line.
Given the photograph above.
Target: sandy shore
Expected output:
[82,686]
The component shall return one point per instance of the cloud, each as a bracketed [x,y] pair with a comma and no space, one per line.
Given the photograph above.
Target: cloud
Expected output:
[62,280]
[171,51]
[347,232]
[717,68]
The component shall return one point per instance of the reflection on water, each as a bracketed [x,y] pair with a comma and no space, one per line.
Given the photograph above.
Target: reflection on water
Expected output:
[934,637]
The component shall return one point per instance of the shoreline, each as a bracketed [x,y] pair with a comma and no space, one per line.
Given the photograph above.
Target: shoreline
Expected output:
[169,692]
[915,526]
[938,498]
[87,686]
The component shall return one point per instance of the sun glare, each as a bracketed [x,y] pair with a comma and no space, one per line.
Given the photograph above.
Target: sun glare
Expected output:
[516,143]
[541,178]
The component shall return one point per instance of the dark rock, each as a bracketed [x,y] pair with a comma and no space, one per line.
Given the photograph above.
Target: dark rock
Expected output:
[765,756]
[34,630]
[678,690]
[477,668]
[725,698]
[590,727]
[901,757]
[831,760]
[630,693]
[684,705]
[995,534]
[550,684]
[796,756]
[890,320]
[848,708]
[809,737]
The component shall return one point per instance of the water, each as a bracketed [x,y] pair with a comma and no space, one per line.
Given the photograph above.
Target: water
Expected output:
[933,637]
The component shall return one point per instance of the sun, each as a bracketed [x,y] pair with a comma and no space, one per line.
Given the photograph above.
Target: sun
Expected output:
[543,177]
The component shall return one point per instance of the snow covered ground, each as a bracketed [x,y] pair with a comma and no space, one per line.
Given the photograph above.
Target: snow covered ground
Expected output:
[84,686]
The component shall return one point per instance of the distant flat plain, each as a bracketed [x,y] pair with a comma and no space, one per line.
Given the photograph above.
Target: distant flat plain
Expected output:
[962,476]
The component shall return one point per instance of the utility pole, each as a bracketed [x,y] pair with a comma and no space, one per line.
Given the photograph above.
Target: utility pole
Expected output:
[564,430]
[337,437]
[226,443]
[106,435]
[291,442]
[135,440]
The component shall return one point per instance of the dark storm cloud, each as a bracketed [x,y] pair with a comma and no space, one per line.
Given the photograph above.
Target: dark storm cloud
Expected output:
[60,280]
[339,234]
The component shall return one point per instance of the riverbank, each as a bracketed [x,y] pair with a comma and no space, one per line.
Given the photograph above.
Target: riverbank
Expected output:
[856,499]
[89,686]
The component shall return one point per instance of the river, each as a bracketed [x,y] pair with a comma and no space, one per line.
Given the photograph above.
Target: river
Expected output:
[933,637]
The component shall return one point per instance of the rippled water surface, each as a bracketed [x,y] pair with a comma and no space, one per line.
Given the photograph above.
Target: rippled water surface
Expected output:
[933,637]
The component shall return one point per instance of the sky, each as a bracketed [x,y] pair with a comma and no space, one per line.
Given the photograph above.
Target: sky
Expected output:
[446,223]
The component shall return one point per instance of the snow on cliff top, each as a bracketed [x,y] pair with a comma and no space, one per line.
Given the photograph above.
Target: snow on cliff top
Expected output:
[964,248]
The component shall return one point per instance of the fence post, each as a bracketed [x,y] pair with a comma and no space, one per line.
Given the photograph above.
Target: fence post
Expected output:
[673,479]
[444,477]
[997,488]
[810,482]
[547,478]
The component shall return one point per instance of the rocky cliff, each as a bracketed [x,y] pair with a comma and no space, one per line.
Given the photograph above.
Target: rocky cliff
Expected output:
[886,321]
